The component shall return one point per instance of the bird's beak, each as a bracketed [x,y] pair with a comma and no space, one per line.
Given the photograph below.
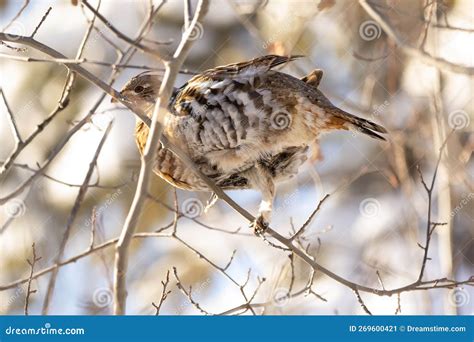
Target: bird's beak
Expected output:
[122,98]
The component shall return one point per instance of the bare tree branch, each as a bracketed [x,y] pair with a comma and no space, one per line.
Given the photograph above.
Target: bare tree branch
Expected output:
[29,291]
[164,294]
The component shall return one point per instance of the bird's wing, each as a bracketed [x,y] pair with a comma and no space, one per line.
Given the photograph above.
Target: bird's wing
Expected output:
[228,109]
[241,73]
[254,66]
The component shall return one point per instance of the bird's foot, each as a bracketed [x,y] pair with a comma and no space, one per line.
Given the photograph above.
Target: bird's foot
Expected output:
[259,226]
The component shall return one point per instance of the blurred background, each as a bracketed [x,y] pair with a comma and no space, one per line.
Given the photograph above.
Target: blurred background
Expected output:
[367,230]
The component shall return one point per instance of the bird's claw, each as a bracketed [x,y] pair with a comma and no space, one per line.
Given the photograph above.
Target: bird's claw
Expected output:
[259,226]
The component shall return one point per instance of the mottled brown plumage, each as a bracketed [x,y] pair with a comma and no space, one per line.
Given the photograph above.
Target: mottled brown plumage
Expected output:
[245,125]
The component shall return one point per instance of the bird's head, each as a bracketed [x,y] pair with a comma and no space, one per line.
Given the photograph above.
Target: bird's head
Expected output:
[142,89]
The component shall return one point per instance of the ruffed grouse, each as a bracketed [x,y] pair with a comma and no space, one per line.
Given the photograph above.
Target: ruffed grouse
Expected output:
[245,125]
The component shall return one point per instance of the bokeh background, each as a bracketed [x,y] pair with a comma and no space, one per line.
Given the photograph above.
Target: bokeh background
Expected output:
[370,224]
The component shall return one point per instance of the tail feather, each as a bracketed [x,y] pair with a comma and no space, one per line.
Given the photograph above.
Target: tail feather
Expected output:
[340,119]
[362,125]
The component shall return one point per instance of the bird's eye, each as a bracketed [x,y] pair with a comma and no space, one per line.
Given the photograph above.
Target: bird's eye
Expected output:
[138,89]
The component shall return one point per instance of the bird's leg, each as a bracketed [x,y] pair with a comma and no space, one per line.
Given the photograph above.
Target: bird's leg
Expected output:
[262,180]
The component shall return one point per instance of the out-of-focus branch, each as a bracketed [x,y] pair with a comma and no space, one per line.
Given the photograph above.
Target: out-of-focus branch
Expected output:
[411,51]
[88,61]
[12,121]
[17,15]
[120,35]
[96,184]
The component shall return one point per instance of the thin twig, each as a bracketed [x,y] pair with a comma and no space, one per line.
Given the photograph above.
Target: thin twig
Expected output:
[17,15]
[188,293]
[41,22]
[164,294]
[29,291]
[361,302]
[309,220]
